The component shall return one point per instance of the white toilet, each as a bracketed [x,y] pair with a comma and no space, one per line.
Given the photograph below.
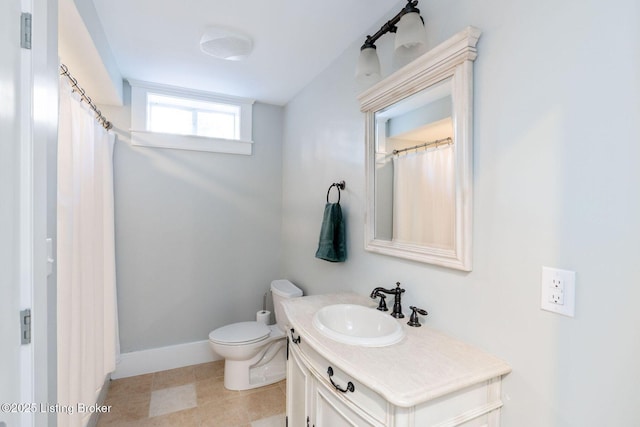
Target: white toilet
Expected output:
[255,353]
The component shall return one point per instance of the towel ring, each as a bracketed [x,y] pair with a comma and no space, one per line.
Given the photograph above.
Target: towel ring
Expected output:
[339,185]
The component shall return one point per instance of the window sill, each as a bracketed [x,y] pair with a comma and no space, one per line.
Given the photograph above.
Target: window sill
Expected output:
[143,138]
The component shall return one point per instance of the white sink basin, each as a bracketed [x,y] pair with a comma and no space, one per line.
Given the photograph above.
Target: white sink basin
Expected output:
[358,325]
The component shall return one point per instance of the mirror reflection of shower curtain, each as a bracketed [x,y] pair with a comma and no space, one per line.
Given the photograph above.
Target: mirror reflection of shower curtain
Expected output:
[424,197]
[87,321]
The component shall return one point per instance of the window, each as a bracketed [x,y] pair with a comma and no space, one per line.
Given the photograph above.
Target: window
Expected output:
[182,116]
[169,117]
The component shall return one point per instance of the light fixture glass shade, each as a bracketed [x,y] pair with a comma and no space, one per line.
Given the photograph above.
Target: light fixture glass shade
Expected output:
[411,32]
[226,44]
[368,64]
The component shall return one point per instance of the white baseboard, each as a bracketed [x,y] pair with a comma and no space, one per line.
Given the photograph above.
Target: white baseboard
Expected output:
[163,358]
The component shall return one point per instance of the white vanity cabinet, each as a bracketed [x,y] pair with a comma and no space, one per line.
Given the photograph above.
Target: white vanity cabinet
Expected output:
[310,402]
[428,379]
[299,387]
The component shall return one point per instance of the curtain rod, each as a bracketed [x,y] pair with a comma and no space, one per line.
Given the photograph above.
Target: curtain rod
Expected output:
[83,96]
[437,142]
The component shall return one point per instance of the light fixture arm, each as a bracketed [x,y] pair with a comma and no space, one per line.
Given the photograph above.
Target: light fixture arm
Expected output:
[390,26]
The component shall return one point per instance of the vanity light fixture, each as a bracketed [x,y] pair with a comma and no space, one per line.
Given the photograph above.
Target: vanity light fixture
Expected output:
[410,35]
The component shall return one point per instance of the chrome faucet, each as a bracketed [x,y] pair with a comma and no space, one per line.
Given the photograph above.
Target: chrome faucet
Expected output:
[397,293]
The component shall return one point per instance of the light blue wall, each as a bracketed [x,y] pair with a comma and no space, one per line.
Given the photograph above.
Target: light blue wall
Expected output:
[198,235]
[557,119]
[89,15]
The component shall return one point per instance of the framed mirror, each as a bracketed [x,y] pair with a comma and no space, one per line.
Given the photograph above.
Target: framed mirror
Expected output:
[419,153]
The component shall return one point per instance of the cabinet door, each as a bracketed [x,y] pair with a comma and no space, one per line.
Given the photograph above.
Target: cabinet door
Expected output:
[333,411]
[299,385]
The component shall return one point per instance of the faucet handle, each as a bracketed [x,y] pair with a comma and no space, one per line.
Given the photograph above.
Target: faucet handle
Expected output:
[413,320]
[382,306]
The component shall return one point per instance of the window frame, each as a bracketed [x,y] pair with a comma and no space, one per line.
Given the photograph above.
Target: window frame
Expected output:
[142,136]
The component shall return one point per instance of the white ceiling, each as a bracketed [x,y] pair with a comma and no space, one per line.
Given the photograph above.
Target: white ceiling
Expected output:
[158,41]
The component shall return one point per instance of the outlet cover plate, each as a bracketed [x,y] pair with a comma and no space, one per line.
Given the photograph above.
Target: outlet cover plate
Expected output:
[558,291]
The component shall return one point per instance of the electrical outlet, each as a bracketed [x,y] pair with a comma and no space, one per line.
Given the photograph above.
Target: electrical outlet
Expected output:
[558,291]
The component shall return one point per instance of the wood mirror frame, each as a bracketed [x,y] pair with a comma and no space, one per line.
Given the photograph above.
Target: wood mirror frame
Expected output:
[451,60]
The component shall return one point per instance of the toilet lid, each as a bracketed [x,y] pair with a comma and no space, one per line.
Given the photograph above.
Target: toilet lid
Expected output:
[240,333]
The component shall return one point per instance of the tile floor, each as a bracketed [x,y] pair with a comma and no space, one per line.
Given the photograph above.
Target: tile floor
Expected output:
[193,396]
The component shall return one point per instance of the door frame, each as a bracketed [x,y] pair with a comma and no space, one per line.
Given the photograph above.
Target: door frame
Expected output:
[43,194]
[29,278]
[14,357]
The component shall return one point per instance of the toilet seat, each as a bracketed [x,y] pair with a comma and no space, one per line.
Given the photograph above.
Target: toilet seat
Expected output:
[240,333]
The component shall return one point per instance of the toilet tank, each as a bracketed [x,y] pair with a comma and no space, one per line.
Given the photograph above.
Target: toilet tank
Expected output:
[280,290]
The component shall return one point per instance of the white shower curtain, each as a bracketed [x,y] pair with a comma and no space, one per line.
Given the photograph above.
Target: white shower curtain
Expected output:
[87,320]
[424,197]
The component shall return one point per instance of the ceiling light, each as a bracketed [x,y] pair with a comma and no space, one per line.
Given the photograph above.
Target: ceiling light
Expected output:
[225,44]
[410,35]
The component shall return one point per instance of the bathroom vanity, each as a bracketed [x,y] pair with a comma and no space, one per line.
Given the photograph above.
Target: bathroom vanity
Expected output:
[425,379]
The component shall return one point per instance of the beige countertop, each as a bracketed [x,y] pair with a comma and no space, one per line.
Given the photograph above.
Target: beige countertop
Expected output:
[425,365]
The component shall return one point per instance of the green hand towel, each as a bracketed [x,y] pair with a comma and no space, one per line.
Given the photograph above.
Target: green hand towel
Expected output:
[332,246]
